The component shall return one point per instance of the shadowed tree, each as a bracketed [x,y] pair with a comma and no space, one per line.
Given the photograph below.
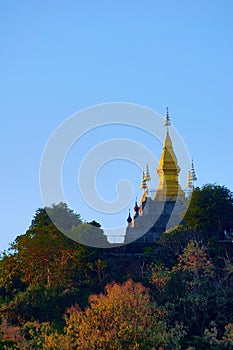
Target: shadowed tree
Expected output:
[211,207]
[44,271]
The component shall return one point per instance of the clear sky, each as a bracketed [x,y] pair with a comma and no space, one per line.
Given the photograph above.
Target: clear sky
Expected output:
[58,57]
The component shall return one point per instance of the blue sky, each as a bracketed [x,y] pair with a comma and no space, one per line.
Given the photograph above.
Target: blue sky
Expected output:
[59,57]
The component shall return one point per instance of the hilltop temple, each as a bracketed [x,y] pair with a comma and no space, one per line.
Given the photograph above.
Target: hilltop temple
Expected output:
[153,216]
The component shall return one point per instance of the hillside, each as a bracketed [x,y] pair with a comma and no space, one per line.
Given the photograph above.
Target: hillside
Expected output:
[174,294]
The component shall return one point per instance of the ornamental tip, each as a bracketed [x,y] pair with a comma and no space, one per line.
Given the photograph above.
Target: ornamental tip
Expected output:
[167,121]
[144,180]
[148,173]
[191,177]
[194,176]
[136,207]
[129,219]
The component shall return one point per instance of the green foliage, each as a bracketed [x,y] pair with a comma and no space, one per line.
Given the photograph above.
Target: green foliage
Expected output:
[211,207]
[173,242]
[34,335]
[44,271]
[159,276]
[62,216]
[88,234]
[188,302]
[194,273]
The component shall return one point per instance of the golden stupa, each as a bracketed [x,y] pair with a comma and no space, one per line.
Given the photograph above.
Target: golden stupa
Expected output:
[168,170]
[165,211]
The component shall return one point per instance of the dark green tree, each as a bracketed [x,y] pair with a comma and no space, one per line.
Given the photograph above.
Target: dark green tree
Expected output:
[44,271]
[210,209]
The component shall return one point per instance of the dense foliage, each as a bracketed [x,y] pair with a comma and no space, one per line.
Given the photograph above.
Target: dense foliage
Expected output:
[175,294]
[210,208]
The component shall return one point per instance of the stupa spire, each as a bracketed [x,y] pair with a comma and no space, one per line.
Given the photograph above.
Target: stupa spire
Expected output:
[144,181]
[148,173]
[167,121]
[193,172]
[168,169]
[192,177]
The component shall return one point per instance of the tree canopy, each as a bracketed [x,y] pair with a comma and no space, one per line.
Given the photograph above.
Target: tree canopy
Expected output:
[210,209]
[176,293]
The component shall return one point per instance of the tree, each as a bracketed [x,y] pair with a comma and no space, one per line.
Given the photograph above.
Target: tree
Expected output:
[44,271]
[63,216]
[158,276]
[174,241]
[88,234]
[211,207]
[195,261]
[192,288]
[123,318]
[43,254]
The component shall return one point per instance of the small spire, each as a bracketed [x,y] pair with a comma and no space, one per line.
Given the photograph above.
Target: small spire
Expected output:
[193,172]
[136,209]
[191,177]
[148,173]
[129,219]
[144,181]
[189,183]
[167,121]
